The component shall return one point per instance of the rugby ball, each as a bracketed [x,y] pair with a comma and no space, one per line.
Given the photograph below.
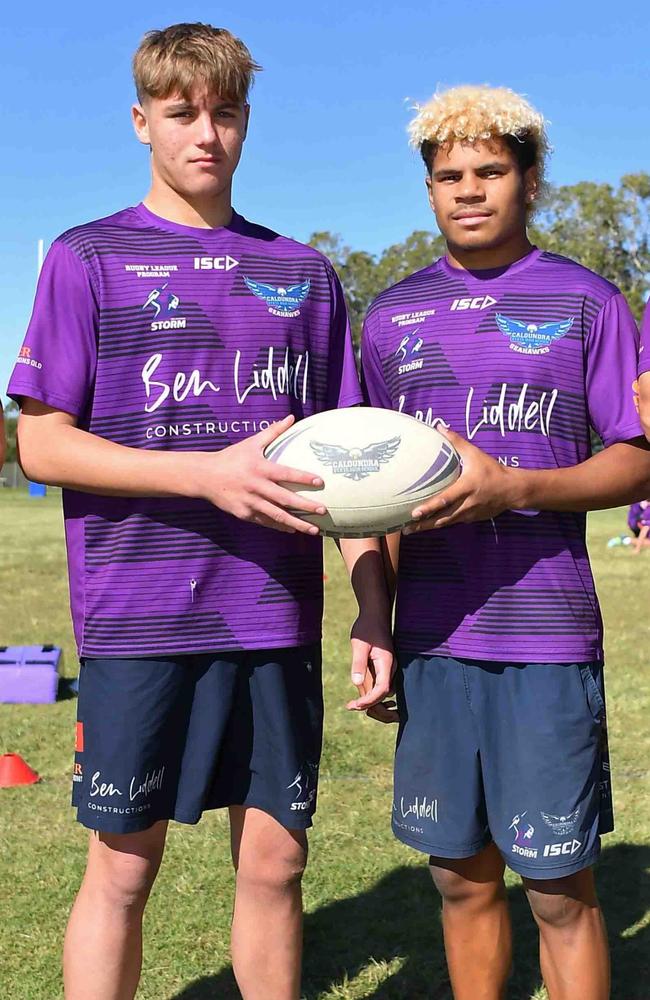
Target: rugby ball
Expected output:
[377,465]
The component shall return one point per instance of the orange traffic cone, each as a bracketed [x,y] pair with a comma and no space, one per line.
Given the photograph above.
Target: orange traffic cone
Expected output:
[14,771]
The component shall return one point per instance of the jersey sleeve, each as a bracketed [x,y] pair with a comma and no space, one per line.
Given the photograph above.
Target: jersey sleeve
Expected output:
[644,346]
[373,383]
[611,368]
[343,387]
[56,364]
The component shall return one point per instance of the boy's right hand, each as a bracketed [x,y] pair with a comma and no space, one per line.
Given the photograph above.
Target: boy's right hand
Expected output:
[242,482]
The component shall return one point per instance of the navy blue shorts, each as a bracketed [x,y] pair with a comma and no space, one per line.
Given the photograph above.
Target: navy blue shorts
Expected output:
[507,752]
[167,738]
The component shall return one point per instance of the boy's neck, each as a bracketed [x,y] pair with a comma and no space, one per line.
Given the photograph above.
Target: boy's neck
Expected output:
[206,213]
[490,257]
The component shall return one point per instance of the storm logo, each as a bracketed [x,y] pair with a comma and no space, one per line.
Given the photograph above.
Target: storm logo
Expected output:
[304,787]
[408,353]
[153,300]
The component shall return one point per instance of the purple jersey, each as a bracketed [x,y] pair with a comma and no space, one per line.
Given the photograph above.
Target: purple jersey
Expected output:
[162,336]
[644,347]
[638,515]
[521,361]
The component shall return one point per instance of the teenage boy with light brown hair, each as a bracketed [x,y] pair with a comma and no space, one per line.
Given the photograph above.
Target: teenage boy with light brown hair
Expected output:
[170,344]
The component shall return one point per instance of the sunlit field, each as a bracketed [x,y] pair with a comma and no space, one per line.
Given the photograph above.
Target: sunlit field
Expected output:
[372,926]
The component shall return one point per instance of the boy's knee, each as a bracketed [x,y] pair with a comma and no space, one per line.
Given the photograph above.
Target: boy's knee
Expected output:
[458,890]
[476,880]
[277,866]
[560,903]
[122,868]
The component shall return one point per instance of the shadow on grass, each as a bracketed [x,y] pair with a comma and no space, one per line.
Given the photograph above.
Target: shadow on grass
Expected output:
[67,688]
[398,921]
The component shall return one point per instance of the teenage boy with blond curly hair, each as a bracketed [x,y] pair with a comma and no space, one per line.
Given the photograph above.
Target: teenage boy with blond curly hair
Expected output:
[501,753]
[170,344]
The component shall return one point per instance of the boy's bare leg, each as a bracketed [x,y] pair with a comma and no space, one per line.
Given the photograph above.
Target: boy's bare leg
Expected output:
[103,944]
[267,919]
[574,955]
[476,924]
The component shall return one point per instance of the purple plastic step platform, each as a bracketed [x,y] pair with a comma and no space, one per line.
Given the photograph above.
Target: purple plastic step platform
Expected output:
[29,673]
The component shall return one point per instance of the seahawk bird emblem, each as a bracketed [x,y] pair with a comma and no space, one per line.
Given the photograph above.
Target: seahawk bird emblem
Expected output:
[532,338]
[356,463]
[282,301]
[561,824]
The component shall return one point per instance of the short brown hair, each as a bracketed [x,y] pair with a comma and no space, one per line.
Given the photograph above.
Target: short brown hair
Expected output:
[177,58]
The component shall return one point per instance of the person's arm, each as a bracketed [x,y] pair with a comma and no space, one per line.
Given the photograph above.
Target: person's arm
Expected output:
[642,539]
[643,369]
[617,475]
[238,479]
[644,402]
[372,580]
[372,646]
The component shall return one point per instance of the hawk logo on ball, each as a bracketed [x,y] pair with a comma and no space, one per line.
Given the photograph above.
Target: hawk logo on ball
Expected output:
[532,338]
[356,463]
[280,300]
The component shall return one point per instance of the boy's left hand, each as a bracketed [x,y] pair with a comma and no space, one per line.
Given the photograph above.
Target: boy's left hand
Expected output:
[483,490]
[373,665]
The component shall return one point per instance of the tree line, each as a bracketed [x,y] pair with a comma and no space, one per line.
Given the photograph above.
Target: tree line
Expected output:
[603,226]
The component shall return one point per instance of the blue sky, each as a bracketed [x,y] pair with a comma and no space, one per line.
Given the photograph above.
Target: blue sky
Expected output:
[327,146]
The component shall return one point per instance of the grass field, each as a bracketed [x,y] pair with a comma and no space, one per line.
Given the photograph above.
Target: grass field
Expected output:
[372,926]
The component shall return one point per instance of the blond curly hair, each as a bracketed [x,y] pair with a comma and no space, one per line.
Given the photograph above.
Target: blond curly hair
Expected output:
[479,113]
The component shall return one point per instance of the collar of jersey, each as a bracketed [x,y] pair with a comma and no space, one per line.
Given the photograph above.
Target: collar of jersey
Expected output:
[234,226]
[484,276]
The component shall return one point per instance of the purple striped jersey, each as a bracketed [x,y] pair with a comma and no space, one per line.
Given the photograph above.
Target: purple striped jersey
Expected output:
[521,361]
[644,347]
[163,336]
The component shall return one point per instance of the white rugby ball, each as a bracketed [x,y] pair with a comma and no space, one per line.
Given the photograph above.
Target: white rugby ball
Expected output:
[377,465]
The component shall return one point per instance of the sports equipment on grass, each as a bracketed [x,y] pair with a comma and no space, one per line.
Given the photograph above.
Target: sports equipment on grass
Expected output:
[29,673]
[377,465]
[15,771]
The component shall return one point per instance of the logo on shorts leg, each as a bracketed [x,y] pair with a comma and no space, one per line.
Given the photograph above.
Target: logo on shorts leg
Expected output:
[561,825]
[139,792]
[523,835]
[409,813]
[557,850]
[304,787]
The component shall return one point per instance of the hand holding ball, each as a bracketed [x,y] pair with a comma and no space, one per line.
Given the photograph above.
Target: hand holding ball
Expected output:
[377,466]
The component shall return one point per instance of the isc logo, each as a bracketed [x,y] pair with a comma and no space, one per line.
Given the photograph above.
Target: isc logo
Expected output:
[480,302]
[568,847]
[215,263]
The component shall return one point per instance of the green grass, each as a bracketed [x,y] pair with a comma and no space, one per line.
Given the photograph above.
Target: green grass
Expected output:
[372,926]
